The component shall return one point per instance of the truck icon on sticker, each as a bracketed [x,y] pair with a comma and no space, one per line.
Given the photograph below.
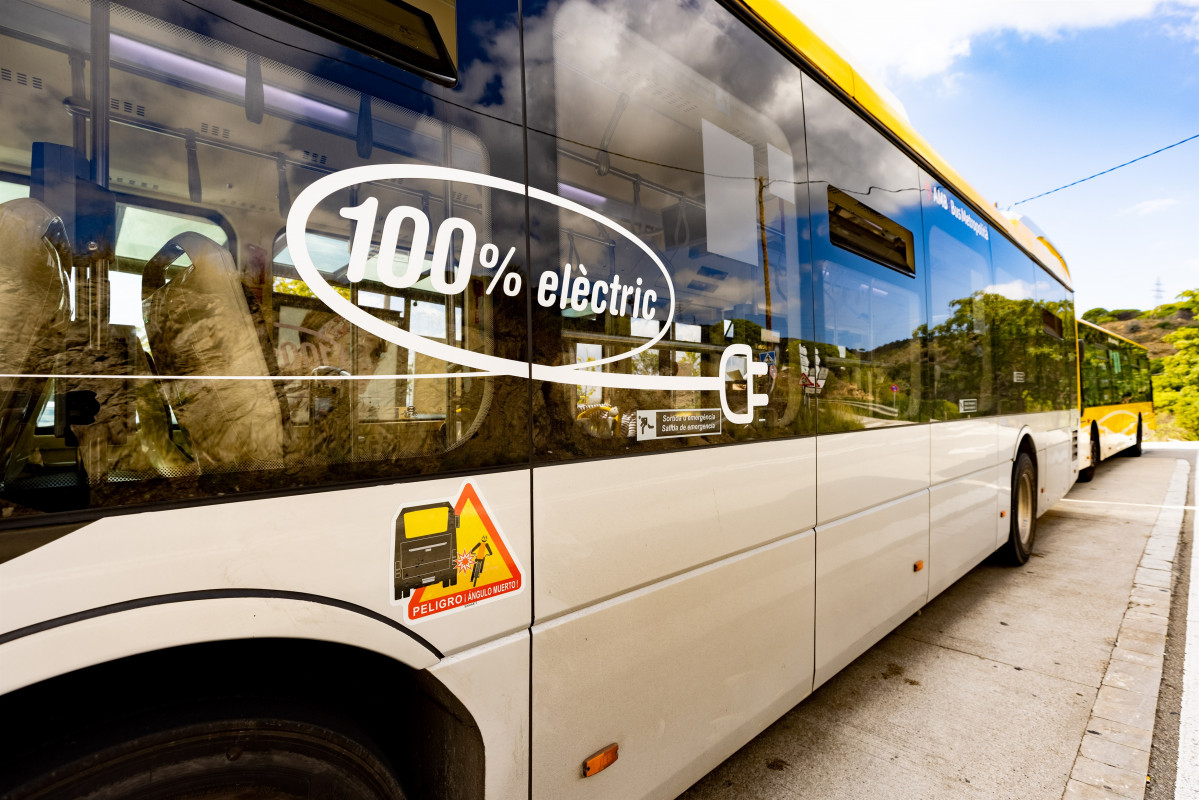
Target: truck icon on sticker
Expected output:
[426,544]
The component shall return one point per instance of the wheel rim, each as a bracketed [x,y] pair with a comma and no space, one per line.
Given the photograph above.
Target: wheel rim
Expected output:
[1024,499]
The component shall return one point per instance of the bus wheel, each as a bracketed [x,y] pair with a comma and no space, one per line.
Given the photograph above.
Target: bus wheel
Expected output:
[248,759]
[1087,474]
[1024,510]
[1136,450]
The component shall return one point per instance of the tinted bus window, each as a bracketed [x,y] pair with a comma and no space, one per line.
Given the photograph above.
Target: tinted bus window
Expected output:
[698,152]
[959,260]
[1053,346]
[1097,369]
[1017,321]
[870,310]
[200,348]
[1143,392]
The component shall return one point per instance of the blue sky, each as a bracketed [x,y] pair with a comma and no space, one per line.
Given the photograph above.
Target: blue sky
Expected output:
[1027,96]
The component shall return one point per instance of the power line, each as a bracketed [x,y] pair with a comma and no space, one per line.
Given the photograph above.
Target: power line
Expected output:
[1097,174]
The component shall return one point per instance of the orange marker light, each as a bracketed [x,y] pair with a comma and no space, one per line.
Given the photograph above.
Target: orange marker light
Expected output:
[919,565]
[601,760]
[1002,514]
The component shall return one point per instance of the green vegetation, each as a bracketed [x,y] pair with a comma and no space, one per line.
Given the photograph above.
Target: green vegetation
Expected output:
[1176,389]
[1098,316]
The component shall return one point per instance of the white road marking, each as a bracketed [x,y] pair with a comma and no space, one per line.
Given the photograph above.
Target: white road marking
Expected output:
[1137,505]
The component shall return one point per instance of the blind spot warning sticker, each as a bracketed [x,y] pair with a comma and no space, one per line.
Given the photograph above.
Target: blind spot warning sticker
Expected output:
[450,555]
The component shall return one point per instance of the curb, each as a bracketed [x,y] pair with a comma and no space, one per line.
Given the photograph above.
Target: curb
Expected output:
[1113,758]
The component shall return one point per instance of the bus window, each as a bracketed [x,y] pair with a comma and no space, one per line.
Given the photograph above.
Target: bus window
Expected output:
[194,356]
[1053,346]
[1016,323]
[707,173]
[959,259]
[11,191]
[870,293]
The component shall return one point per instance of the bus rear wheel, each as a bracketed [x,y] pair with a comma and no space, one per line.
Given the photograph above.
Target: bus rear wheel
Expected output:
[234,759]
[1023,532]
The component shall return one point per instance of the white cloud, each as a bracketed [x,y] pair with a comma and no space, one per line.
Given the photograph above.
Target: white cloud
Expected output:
[921,38]
[1147,207]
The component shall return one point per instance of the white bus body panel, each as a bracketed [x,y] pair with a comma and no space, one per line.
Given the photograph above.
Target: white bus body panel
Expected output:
[863,469]
[606,527]
[492,682]
[67,648]
[866,583]
[336,545]
[679,674]
[962,516]
[1003,520]
[1009,431]
[962,447]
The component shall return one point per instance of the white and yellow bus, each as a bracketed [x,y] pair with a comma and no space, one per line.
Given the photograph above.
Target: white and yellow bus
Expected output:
[480,399]
[1116,397]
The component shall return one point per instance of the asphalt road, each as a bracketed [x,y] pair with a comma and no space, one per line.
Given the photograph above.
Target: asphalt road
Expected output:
[988,691]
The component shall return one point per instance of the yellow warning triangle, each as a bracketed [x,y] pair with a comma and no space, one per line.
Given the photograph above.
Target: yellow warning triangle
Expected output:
[485,569]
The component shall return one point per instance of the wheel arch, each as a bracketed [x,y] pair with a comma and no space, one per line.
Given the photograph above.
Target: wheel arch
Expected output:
[404,710]
[1025,443]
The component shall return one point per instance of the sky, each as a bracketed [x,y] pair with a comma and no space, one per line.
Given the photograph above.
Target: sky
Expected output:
[1027,96]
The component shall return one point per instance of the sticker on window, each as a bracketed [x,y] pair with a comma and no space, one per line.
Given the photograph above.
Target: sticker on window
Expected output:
[641,289]
[669,423]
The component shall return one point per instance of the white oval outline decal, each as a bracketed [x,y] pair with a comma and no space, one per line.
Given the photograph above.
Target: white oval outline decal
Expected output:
[310,197]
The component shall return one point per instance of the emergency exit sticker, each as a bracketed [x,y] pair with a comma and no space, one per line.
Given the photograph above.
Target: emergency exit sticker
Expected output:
[669,423]
[450,555]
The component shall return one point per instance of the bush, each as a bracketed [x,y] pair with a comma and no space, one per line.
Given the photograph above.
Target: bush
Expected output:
[1176,388]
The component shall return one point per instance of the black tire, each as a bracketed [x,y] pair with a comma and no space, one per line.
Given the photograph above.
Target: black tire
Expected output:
[1023,530]
[265,758]
[1136,449]
[1085,475]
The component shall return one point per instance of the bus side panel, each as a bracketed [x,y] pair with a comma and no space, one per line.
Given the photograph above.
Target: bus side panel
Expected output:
[963,514]
[679,674]
[336,545]
[1008,430]
[606,527]
[961,447]
[868,578]
[1118,425]
[1059,467]
[1055,465]
[493,682]
[1003,521]
[66,648]
[863,469]
[962,499]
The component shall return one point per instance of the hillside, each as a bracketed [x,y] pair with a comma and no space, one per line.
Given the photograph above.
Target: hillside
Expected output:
[1146,328]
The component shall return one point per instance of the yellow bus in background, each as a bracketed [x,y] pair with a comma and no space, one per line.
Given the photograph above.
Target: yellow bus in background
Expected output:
[1116,398]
